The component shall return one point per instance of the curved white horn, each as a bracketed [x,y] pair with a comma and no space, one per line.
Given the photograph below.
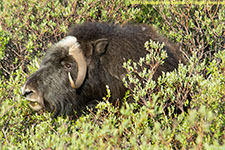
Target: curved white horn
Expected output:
[76,53]
[81,64]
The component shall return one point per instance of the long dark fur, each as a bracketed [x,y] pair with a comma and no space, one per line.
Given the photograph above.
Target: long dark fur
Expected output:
[105,68]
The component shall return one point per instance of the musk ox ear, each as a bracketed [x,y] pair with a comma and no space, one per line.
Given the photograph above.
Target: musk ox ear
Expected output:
[75,51]
[100,45]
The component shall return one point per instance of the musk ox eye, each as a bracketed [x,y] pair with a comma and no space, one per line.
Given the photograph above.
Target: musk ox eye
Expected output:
[68,66]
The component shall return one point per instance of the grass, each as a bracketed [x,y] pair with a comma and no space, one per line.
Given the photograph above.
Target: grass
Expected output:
[28,28]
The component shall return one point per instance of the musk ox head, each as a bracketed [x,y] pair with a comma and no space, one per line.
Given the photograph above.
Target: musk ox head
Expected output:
[61,72]
[57,85]
[75,71]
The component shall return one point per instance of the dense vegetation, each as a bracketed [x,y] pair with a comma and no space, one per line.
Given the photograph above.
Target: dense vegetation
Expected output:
[184,109]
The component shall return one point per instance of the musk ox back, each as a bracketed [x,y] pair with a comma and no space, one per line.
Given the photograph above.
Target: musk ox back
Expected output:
[75,71]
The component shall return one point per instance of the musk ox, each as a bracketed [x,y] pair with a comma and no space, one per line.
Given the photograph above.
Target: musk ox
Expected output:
[74,72]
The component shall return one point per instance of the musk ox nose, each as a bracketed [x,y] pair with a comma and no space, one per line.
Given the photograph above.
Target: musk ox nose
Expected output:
[33,97]
[26,93]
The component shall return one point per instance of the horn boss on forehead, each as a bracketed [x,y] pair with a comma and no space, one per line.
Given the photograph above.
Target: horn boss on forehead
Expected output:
[68,41]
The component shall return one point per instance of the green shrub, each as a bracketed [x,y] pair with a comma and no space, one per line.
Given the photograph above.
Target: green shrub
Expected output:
[199,28]
[29,27]
[183,109]
[202,124]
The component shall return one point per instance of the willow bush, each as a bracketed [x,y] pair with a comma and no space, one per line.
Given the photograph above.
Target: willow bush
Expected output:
[183,109]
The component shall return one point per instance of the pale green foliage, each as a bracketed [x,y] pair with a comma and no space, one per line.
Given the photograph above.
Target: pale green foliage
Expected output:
[153,59]
[115,128]
[29,27]
[183,109]
[203,123]
[4,39]
[200,28]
